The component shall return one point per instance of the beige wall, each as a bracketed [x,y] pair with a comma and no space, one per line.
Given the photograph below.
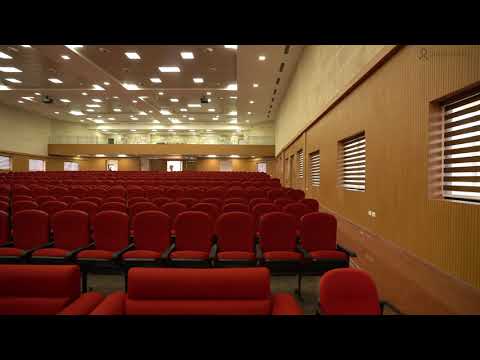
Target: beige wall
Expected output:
[322,72]
[392,107]
[22,131]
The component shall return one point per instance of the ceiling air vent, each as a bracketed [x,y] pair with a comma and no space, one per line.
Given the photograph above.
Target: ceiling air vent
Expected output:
[282,65]
[287,49]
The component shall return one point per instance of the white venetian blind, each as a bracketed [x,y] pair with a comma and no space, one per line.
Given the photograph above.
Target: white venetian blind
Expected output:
[300,163]
[5,163]
[36,165]
[315,168]
[461,149]
[71,166]
[353,170]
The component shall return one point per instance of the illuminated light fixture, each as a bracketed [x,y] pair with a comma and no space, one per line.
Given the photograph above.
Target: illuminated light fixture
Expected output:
[247,121]
[234,156]
[142,113]
[183,109]
[122,155]
[65,100]
[192,130]
[90,110]
[232,87]
[29,98]
[155,121]
[133,130]
[65,57]
[194,105]
[134,118]
[82,120]
[209,130]
[117,110]
[160,93]
[174,121]
[132,55]
[165,112]
[100,155]
[209,93]
[104,129]
[106,83]
[154,130]
[167,69]
[143,97]
[186,55]
[98,121]
[233,97]
[255,85]
[150,111]
[4,56]
[56,112]
[130,86]
[252,102]
[215,118]
[262,57]
[97,100]
[115,97]
[73,47]
[92,105]
[4,87]
[198,80]
[20,102]
[209,100]
[235,47]
[37,93]
[13,80]
[211,110]
[156,80]
[77,113]
[233,121]
[171,130]
[232,113]
[26,46]
[191,118]
[174,100]
[84,93]
[184,116]
[111,118]
[249,113]
[55,81]
[97,87]
[9,69]
[212,156]
[134,101]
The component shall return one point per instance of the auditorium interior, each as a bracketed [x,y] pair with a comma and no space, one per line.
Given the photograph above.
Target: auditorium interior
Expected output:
[308,180]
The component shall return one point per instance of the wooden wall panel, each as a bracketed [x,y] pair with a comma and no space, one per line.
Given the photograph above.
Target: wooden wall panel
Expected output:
[392,107]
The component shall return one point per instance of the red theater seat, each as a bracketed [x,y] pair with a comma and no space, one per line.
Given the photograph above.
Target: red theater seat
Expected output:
[164,291]
[210,209]
[235,207]
[311,203]
[44,290]
[4,228]
[117,206]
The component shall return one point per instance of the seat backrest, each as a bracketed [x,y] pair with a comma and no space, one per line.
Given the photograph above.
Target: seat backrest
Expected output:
[117,206]
[348,292]
[210,208]
[69,199]
[235,207]
[261,209]
[296,209]
[275,194]
[70,229]
[37,289]
[115,191]
[152,230]
[193,231]
[132,201]
[311,203]
[198,291]
[141,206]
[89,207]
[278,232]
[114,199]
[216,201]
[52,207]
[110,230]
[44,198]
[187,201]
[4,206]
[318,231]
[159,201]
[31,229]
[235,231]
[281,202]
[4,227]
[23,205]
[259,200]
[236,200]
[95,199]
[296,194]
[173,209]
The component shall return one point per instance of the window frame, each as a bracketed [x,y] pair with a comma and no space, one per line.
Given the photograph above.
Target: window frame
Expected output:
[352,142]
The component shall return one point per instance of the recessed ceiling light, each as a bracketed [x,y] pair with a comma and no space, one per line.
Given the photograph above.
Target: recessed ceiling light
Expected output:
[251,102]
[55,81]
[4,56]
[234,156]
[90,110]
[134,101]
[142,113]
[249,113]
[232,113]
[183,109]
[26,46]
[92,105]
[106,83]
[4,87]
[38,94]
[134,118]
[262,57]
[255,85]
[211,110]
[111,118]
[97,100]
[232,87]
[231,47]
[209,130]
[130,86]
[81,120]
[184,116]
[191,118]
[100,155]
[233,121]
[65,100]
[133,130]
[233,97]
[215,118]
[122,155]
[29,98]
[174,100]
[150,111]
[194,105]
[169,69]
[192,130]
[115,97]
[186,55]
[84,93]
[165,112]
[155,121]
[72,47]
[20,101]
[154,130]
[212,156]
[174,121]
[197,80]
[132,55]
[209,93]
[156,80]
[104,129]
[247,121]
[160,93]
[65,57]
[76,113]
[171,130]
[99,121]
[56,112]
[9,69]
[13,80]
[97,87]
[117,110]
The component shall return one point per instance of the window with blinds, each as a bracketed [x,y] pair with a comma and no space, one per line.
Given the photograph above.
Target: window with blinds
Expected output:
[315,168]
[353,162]
[71,166]
[300,163]
[461,149]
[5,163]
[36,165]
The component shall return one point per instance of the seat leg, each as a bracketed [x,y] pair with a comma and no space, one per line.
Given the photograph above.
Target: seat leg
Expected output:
[298,290]
[84,281]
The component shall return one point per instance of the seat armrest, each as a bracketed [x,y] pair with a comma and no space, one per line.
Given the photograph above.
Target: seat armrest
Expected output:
[213,252]
[305,253]
[7,244]
[74,253]
[258,251]
[32,250]
[116,256]
[84,305]
[384,303]
[113,304]
[347,251]
[285,304]
[166,253]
